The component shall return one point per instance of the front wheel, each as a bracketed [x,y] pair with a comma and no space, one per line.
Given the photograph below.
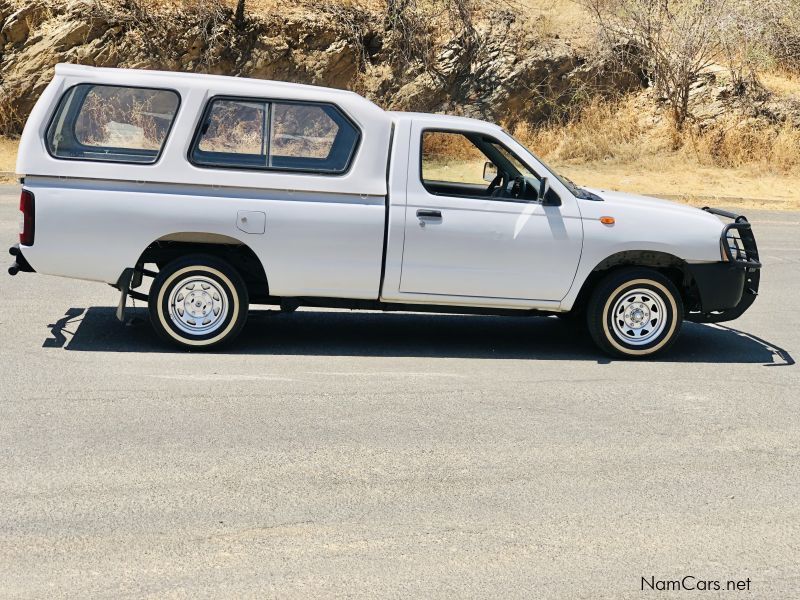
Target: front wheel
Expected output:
[635,313]
[198,302]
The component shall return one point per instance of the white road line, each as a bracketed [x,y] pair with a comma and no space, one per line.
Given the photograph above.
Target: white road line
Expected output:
[190,377]
[386,373]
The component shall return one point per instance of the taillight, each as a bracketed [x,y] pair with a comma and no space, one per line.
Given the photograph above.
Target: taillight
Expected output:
[28,225]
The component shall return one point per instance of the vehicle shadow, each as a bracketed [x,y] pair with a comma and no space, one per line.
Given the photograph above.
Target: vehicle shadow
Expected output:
[344,333]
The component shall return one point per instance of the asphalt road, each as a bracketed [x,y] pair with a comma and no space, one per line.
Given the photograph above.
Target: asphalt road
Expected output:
[370,455]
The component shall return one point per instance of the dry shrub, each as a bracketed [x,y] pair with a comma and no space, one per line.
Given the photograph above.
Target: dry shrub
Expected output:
[773,27]
[262,7]
[408,35]
[678,39]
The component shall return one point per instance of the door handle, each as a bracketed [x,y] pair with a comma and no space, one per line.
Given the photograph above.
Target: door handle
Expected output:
[429,214]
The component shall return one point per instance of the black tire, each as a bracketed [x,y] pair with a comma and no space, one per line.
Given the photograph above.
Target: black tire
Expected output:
[212,289]
[640,325]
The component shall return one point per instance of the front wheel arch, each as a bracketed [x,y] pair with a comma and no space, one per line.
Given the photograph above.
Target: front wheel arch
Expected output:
[669,265]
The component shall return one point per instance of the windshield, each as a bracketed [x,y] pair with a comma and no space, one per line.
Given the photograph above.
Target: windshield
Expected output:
[567,183]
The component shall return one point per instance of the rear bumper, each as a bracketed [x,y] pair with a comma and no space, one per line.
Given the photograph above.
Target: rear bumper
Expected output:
[19,263]
[727,289]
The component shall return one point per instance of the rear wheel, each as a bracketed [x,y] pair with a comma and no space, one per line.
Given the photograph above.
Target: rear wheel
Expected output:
[635,313]
[198,302]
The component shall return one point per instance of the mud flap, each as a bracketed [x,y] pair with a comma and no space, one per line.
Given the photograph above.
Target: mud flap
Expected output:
[123,284]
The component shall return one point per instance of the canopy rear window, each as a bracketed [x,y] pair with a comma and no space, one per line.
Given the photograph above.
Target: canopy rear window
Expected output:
[112,123]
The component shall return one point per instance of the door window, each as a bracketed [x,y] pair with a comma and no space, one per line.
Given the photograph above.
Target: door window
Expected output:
[472,164]
[451,158]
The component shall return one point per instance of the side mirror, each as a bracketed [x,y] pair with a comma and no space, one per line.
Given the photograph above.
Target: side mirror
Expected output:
[547,195]
[489,171]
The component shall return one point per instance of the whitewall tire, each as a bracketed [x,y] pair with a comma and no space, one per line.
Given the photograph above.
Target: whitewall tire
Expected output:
[198,302]
[635,313]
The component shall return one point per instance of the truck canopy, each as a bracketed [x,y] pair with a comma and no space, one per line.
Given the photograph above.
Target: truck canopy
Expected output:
[365,173]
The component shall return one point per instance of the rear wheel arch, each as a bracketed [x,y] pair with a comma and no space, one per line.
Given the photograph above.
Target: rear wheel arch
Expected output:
[229,249]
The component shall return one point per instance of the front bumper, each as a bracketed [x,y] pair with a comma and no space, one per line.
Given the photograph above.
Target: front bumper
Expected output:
[727,289]
[19,263]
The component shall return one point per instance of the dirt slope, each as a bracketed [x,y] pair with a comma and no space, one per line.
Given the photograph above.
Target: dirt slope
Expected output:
[514,72]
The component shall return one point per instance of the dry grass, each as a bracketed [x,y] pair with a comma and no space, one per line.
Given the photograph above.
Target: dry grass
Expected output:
[259,6]
[780,82]
[625,146]
[670,177]
[565,18]
[735,144]
[8,154]
[8,159]
[626,133]
[603,131]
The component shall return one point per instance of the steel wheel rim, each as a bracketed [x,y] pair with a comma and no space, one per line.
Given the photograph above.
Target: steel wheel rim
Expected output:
[198,305]
[639,316]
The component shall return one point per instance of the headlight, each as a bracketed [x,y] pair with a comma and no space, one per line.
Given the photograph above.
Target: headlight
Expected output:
[734,245]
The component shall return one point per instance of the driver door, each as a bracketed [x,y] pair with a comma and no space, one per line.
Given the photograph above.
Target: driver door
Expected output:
[460,240]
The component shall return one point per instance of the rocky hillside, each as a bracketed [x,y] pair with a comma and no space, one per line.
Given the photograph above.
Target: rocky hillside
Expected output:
[508,72]
[592,113]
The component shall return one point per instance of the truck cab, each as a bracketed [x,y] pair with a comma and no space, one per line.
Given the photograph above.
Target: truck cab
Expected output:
[474,219]
[202,195]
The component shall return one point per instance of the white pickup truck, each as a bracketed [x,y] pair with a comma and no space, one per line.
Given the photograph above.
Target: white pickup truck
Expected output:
[204,194]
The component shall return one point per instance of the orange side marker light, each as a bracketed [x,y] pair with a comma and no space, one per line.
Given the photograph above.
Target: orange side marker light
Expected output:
[607,220]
